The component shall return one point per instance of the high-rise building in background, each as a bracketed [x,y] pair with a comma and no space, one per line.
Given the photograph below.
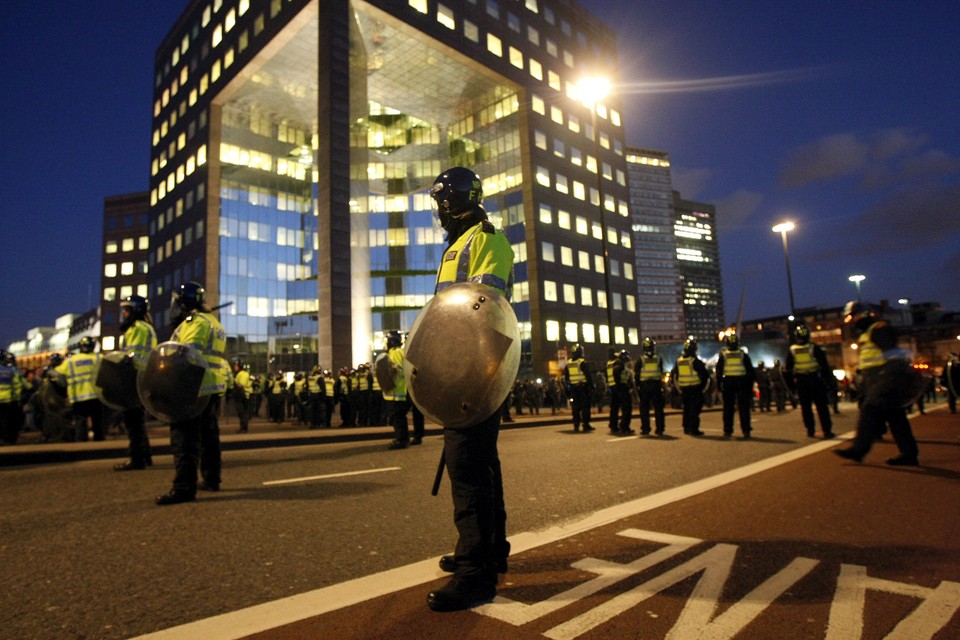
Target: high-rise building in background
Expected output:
[126,249]
[698,257]
[659,288]
[294,144]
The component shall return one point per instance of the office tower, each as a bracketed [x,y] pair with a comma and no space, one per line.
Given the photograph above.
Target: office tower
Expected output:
[699,259]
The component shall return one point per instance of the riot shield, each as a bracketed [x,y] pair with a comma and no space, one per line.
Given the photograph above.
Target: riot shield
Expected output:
[463,355]
[169,384]
[115,379]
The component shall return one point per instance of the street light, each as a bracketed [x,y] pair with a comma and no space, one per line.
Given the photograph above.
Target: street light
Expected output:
[857,279]
[782,229]
[589,92]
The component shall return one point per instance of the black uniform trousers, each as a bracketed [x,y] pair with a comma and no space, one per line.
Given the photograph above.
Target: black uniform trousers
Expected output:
[651,397]
[11,419]
[621,406]
[398,420]
[316,409]
[737,398]
[135,422]
[813,393]
[196,444]
[580,403]
[692,406]
[88,409]
[242,404]
[476,485]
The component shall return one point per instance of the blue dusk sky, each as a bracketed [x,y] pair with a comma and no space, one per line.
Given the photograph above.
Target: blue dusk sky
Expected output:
[839,116]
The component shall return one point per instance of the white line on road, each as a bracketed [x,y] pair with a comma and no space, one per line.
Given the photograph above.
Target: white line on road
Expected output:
[269,615]
[331,475]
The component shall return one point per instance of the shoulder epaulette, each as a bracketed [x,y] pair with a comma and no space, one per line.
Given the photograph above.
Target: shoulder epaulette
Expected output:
[488,227]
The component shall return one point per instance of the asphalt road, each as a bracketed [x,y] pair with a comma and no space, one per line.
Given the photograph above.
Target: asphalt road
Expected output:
[86,553]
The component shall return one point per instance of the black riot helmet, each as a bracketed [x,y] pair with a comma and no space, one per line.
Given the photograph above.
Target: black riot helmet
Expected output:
[393,339]
[860,315]
[801,334]
[87,344]
[649,346]
[577,352]
[132,308]
[731,341]
[187,298]
[624,355]
[690,347]
[457,192]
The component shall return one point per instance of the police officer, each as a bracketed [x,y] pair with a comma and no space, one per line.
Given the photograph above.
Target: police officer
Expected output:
[196,442]
[806,372]
[763,386]
[621,403]
[329,389]
[735,379]
[138,338]
[577,376]
[690,377]
[76,373]
[242,390]
[276,396]
[951,380]
[11,386]
[879,387]
[649,379]
[315,391]
[476,252]
[348,416]
[396,397]
[364,389]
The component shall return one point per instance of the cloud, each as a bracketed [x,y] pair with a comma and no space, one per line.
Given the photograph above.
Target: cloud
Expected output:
[886,158]
[736,208]
[914,218]
[824,159]
[690,182]
[725,83]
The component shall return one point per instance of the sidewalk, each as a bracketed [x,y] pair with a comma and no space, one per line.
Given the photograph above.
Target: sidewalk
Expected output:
[31,449]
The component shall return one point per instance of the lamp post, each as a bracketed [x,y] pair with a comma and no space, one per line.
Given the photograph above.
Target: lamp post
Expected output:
[782,229]
[589,92]
[857,279]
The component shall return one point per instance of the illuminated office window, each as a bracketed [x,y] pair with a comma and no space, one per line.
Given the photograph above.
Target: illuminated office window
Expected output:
[127,244]
[126,291]
[570,331]
[566,256]
[546,214]
[445,17]
[516,58]
[217,35]
[549,290]
[536,70]
[126,268]
[563,219]
[553,80]
[598,264]
[560,183]
[552,330]
[569,294]
[419,5]
[583,260]
[494,45]
[586,296]
[596,230]
[470,31]
[110,270]
[540,139]
[543,176]
[582,225]
[110,294]
[604,334]
[111,247]
[589,333]
[556,114]
[546,251]
[538,105]
[579,190]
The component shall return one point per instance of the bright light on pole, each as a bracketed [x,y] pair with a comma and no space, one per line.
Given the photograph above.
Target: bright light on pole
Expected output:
[857,279]
[589,92]
[782,229]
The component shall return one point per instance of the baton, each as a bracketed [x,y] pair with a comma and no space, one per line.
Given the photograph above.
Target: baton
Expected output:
[439,476]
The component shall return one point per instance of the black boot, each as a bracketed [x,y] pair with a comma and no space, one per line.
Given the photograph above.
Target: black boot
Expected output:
[463,593]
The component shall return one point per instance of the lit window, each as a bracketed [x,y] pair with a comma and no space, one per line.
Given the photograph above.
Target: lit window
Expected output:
[494,45]
[588,332]
[537,104]
[540,140]
[217,35]
[142,290]
[110,294]
[127,244]
[549,290]
[419,5]
[111,247]
[126,291]
[143,242]
[243,6]
[579,190]
[598,264]
[110,270]
[546,214]
[556,114]
[583,260]
[582,225]
[570,331]
[516,58]
[570,294]
[553,80]
[553,330]
[563,219]
[535,69]
[566,256]
[230,20]
[543,176]
[445,16]
[560,183]
[586,296]
[559,149]
[531,5]
[547,252]
[596,230]
[470,31]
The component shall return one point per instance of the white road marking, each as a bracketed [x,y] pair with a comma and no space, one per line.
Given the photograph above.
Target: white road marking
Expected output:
[331,475]
[269,615]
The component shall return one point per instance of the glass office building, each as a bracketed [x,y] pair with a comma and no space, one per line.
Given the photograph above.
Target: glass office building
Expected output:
[294,142]
[698,257]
